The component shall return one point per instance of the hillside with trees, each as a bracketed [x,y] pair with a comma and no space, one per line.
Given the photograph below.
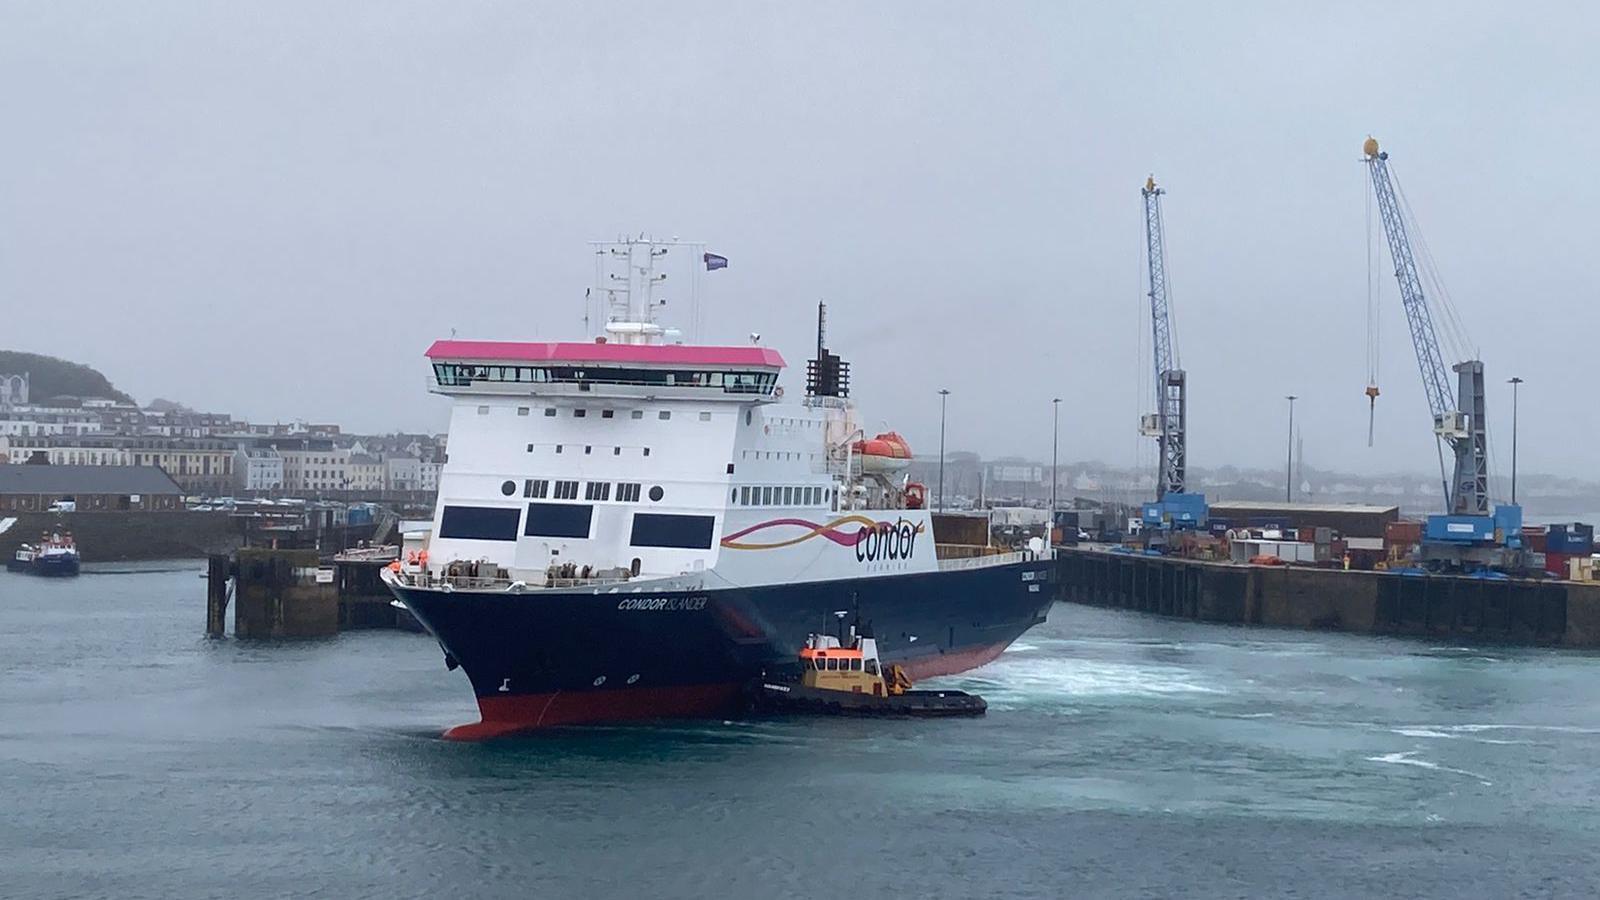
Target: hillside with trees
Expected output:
[51,377]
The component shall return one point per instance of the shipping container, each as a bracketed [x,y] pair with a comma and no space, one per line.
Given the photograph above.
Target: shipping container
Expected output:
[1574,538]
[1556,563]
[1403,533]
[1533,538]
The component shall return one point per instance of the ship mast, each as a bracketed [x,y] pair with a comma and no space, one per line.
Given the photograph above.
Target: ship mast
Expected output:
[629,273]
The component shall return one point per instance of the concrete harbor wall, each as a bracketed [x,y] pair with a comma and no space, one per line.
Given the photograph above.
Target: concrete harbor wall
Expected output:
[1524,611]
[278,596]
[122,536]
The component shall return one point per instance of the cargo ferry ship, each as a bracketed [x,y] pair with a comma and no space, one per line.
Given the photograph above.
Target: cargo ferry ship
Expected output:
[635,527]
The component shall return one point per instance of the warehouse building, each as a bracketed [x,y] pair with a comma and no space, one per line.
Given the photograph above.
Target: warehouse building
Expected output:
[33,488]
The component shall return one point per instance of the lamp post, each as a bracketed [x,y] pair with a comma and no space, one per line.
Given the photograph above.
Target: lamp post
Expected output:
[1055,447]
[1288,473]
[1514,382]
[943,396]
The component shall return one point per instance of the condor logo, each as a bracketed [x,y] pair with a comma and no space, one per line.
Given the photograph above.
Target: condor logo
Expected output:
[662,604]
[887,540]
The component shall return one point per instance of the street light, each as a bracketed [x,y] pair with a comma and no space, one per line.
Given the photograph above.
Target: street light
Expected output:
[1055,446]
[1514,382]
[943,396]
[1288,473]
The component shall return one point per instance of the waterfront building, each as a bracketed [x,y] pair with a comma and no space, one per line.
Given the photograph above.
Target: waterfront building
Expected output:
[257,470]
[402,472]
[91,488]
[365,473]
[314,467]
[66,450]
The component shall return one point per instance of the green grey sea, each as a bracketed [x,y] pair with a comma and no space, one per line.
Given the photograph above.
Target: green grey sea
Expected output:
[1123,755]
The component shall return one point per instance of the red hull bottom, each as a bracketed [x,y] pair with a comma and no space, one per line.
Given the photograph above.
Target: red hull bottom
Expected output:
[529,712]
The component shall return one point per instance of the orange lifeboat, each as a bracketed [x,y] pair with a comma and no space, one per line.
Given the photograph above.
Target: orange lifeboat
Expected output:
[888,452]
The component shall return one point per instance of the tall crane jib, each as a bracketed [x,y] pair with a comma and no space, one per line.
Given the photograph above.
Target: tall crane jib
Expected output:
[1168,424]
[1460,425]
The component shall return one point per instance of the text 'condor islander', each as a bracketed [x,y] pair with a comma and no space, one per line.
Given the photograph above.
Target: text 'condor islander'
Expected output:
[635,527]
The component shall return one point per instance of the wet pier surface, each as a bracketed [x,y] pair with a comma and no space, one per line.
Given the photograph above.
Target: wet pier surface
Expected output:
[1123,754]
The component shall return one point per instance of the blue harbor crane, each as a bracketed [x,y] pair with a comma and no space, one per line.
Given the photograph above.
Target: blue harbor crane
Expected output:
[1467,533]
[1174,506]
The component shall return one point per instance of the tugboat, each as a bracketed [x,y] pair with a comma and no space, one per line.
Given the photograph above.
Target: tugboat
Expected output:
[56,555]
[846,679]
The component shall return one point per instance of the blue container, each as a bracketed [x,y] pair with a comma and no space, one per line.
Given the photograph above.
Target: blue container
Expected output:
[1508,524]
[1459,529]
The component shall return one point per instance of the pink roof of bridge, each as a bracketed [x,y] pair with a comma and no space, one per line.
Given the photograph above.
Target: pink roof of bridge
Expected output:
[575,352]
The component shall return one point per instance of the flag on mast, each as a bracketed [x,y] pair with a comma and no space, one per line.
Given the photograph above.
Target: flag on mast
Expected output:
[713,261]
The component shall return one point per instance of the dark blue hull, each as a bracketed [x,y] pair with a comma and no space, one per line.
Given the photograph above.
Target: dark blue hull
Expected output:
[47,567]
[556,657]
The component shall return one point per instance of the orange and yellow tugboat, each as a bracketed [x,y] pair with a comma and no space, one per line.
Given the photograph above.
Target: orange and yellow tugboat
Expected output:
[844,677]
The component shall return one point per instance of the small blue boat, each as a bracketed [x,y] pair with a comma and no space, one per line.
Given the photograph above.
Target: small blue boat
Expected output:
[55,556]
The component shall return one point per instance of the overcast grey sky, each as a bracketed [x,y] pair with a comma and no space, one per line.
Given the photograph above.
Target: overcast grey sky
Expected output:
[272,208]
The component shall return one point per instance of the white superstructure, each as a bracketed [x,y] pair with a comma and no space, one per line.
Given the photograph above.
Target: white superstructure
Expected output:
[634,458]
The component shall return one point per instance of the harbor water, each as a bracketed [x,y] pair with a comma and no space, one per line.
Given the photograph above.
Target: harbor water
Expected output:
[1123,754]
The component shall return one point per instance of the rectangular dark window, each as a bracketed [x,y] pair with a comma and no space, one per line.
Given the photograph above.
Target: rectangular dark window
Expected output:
[627,492]
[662,530]
[538,488]
[479,523]
[597,490]
[562,520]
[566,490]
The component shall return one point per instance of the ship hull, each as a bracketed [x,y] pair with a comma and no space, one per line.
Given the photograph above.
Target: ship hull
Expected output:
[548,658]
[46,567]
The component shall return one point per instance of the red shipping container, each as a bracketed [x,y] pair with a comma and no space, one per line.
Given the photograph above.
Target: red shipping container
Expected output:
[1556,564]
[1534,539]
[1403,533]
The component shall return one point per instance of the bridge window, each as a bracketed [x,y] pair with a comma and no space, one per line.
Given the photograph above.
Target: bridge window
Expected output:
[675,531]
[579,413]
[597,490]
[549,412]
[744,496]
[479,523]
[607,413]
[561,520]
[628,492]
[664,415]
[566,490]
[522,410]
[636,414]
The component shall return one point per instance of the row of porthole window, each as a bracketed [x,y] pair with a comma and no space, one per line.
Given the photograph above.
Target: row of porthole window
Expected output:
[583,413]
[768,495]
[558,489]
[588,449]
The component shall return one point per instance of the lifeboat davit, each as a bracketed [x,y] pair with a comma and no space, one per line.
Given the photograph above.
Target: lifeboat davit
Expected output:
[888,452]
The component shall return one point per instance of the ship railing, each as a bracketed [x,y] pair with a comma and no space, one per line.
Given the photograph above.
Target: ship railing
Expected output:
[981,562]
[411,577]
